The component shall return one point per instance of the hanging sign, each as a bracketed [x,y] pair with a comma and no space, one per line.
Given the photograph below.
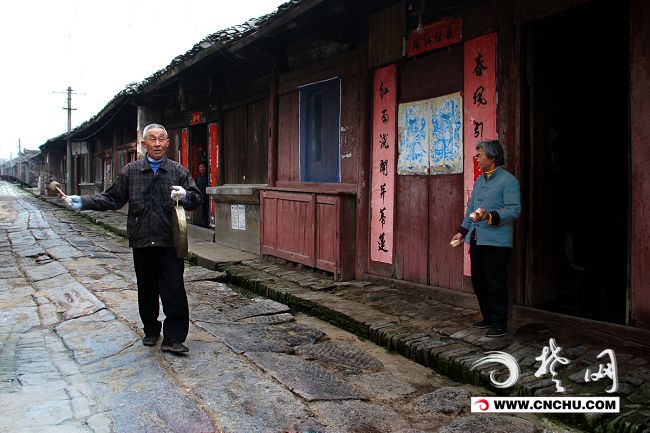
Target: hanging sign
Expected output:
[383,143]
[438,34]
[197,117]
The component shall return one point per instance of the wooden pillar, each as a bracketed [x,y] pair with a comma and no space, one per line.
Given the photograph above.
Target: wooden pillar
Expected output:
[639,233]
[363,161]
[272,152]
[146,115]
[509,128]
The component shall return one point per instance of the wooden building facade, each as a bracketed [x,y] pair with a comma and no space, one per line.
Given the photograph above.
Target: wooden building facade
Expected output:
[288,113]
[564,118]
[561,115]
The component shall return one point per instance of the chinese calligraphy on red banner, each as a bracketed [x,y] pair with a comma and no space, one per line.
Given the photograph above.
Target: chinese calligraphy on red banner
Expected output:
[480,93]
[383,143]
[437,34]
[184,156]
[213,145]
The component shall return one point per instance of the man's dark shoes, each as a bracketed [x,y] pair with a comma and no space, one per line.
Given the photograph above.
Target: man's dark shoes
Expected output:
[173,346]
[481,324]
[496,332]
[150,340]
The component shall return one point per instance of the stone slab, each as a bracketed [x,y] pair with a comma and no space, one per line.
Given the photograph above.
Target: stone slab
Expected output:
[44,271]
[308,379]
[258,307]
[360,416]
[245,398]
[198,273]
[73,299]
[343,356]
[258,338]
[160,406]
[447,400]
[383,385]
[94,337]
[33,251]
[64,252]
[481,423]
[270,320]
[11,272]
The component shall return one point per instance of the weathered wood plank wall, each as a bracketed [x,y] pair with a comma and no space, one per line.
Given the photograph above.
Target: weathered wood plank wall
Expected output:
[288,134]
[245,144]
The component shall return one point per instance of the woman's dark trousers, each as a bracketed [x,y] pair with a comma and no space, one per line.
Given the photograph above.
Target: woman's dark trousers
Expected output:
[490,278]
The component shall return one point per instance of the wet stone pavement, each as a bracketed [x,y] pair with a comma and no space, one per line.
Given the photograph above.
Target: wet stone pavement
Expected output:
[71,359]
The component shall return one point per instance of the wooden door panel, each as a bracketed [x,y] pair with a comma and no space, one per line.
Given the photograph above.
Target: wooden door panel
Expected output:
[445,215]
[327,232]
[411,229]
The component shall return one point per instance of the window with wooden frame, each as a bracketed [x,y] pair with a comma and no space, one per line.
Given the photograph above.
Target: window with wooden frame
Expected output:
[320,138]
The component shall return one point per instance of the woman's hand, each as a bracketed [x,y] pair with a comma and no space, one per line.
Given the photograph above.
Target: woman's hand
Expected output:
[456,240]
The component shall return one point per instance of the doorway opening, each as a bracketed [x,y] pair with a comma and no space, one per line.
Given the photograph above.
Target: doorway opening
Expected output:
[198,151]
[576,162]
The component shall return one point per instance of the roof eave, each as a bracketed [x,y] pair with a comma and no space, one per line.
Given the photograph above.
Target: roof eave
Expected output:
[276,24]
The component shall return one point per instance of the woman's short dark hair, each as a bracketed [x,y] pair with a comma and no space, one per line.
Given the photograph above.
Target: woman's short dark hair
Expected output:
[493,150]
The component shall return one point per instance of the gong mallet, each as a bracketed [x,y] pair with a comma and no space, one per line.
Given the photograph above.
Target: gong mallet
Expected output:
[54,186]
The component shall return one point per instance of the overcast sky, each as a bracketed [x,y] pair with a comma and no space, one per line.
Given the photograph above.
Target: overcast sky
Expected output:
[97,48]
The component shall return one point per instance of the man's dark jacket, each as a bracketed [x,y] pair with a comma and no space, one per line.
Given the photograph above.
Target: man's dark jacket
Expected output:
[149,221]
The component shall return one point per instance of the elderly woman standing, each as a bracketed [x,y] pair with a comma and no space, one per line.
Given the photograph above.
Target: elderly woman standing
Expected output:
[493,207]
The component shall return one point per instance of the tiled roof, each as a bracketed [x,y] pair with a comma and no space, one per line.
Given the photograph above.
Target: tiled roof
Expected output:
[120,98]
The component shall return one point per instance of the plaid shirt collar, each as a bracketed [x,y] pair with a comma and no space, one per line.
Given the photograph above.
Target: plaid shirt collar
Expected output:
[163,165]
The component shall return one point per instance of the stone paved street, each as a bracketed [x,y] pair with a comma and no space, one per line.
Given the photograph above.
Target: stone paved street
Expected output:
[71,359]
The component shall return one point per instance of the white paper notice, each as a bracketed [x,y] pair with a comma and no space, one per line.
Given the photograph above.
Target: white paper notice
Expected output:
[242,217]
[234,216]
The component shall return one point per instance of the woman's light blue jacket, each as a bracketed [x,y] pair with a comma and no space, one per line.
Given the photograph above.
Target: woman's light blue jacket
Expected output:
[497,194]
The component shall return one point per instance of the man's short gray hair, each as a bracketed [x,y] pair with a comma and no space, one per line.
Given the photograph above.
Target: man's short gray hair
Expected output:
[152,126]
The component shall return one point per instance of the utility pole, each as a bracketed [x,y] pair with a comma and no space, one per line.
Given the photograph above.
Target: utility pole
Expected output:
[68,157]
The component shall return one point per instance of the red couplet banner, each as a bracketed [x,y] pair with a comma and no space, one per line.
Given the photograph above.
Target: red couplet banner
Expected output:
[480,102]
[185,143]
[213,144]
[383,144]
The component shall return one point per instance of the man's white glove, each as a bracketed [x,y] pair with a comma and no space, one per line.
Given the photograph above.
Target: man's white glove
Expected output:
[72,201]
[178,193]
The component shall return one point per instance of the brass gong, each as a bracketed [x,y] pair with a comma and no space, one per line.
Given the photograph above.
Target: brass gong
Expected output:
[179,231]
